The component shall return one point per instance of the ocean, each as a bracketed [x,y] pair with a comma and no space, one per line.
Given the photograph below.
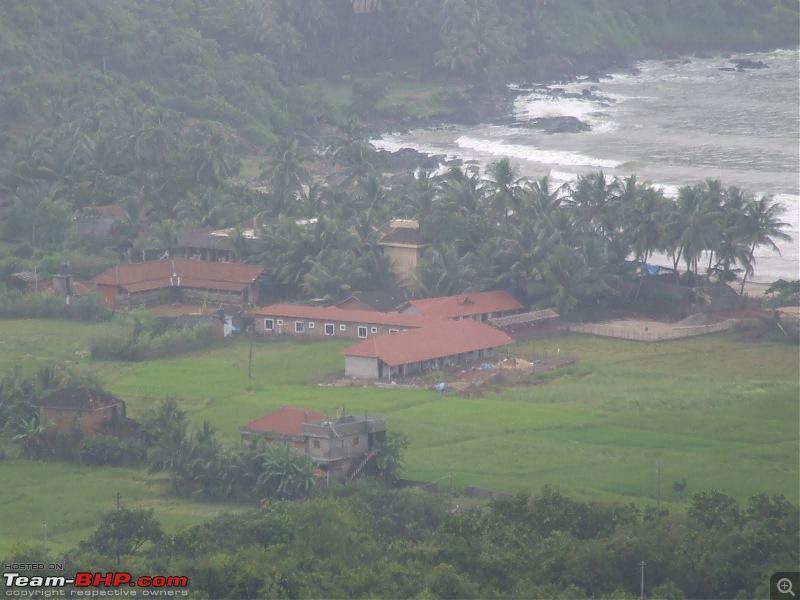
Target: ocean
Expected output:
[672,123]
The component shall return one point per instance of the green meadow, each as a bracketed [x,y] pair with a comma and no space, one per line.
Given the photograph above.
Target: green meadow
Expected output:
[719,412]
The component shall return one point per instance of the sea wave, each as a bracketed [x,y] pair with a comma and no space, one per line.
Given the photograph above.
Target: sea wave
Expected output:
[549,157]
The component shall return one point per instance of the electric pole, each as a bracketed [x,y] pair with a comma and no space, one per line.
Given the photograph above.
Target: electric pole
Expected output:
[641,583]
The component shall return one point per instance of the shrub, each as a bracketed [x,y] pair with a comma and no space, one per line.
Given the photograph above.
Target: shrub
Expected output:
[16,305]
[101,450]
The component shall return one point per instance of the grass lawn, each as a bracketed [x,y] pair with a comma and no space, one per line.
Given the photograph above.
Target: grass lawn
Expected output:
[69,499]
[717,411]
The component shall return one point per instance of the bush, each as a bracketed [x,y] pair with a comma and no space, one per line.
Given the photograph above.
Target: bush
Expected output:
[128,337]
[16,305]
[101,450]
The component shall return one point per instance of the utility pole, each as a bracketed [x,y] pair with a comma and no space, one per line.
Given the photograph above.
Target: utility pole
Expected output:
[641,584]
[250,359]
[116,537]
[658,495]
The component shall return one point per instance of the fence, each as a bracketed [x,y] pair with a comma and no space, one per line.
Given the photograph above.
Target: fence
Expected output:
[650,331]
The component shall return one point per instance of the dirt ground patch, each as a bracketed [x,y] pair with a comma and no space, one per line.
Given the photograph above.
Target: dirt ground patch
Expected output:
[471,380]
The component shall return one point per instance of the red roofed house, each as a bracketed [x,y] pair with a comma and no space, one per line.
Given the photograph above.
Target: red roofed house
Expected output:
[329,321]
[342,447]
[284,425]
[93,410]
[480,306]
[100,221]
[176,279]
[446,344]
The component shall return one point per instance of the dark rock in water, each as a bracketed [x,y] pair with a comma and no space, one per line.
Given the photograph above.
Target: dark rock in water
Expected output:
[407,159]
[586,92]
[727,69]
[551,125]
[746,63]
[455,162]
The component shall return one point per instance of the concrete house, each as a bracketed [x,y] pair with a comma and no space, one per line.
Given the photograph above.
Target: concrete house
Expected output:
[402,242]
[179,279]
[446,344]
[330,321]
[342,447]
[479,306]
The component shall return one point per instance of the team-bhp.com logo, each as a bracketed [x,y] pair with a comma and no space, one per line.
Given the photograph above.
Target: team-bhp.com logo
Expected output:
[95,584]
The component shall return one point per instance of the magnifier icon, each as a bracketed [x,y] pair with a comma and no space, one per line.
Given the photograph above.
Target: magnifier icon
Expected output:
[785,586]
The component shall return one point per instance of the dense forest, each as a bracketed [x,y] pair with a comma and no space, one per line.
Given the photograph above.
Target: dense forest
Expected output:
[249,66]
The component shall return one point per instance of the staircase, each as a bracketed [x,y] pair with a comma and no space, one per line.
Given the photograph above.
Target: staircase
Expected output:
[357,471]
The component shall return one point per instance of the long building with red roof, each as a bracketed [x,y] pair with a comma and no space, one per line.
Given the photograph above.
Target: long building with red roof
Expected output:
[480,306]
[330,321]
[170,280]
[447,343]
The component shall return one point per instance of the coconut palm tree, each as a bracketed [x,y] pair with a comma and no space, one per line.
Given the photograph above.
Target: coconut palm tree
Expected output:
[506,189]
[439,272]
[462,193]
[284,170]
[732,247]
[595,200]
[762,226]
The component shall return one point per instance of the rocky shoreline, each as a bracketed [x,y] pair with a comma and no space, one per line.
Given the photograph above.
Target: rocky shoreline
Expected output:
[494,103]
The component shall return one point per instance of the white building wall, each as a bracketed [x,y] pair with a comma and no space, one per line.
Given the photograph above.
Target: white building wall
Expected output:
[360,366]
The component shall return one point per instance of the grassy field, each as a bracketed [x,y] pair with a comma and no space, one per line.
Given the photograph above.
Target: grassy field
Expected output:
[721,413]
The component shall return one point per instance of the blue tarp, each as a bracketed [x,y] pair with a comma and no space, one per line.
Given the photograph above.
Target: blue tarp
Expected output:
[653,269]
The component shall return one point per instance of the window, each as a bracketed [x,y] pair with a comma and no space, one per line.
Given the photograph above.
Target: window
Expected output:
[374,330]
[280,322]
[311,324]
[342,327]
[316,443]
[299,327]
[393,330]
[355,441]
[329,329]
[269,324]
[362,331]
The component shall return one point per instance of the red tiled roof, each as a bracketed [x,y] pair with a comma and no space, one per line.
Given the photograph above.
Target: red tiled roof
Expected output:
[463,305]
[445,339]
[78,398]
[331,313]
[106,210]
[286,420]
[156,274]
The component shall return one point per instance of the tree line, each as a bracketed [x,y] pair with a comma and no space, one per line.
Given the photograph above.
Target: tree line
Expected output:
[556,245]
[363,540]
